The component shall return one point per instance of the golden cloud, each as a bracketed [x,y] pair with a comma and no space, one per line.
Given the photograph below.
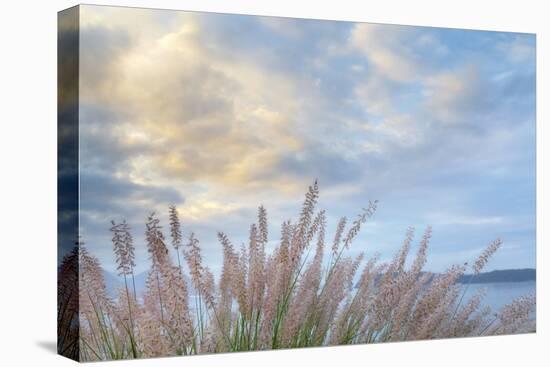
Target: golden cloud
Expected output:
[200,113]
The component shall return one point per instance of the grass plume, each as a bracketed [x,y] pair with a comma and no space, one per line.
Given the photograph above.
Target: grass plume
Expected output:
[287,296]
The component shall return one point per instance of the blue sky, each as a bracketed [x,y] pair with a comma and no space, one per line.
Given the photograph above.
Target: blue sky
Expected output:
[220,113]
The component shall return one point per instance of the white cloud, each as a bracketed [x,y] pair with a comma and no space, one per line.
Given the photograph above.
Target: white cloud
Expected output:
[384,48]
[450,95]
[519,49]
[464,220]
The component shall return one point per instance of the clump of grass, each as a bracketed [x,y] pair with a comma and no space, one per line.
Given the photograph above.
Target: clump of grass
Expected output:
[287,297]
[67,306]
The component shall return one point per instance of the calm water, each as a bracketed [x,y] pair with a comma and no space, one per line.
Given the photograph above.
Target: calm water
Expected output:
[500,294]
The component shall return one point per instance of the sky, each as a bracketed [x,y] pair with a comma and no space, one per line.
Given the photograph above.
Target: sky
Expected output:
[218,114]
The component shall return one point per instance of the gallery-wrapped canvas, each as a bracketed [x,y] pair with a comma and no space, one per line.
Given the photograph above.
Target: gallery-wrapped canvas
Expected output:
[234,183]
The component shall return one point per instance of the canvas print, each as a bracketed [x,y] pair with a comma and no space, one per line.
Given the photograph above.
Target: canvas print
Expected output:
[234,183]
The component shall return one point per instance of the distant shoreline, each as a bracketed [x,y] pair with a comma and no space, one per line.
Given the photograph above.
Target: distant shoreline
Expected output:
[501,276]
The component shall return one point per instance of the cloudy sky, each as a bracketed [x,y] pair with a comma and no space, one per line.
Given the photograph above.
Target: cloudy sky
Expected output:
[218,114]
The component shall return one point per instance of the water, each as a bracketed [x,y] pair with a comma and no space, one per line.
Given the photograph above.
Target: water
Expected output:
[500,294]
